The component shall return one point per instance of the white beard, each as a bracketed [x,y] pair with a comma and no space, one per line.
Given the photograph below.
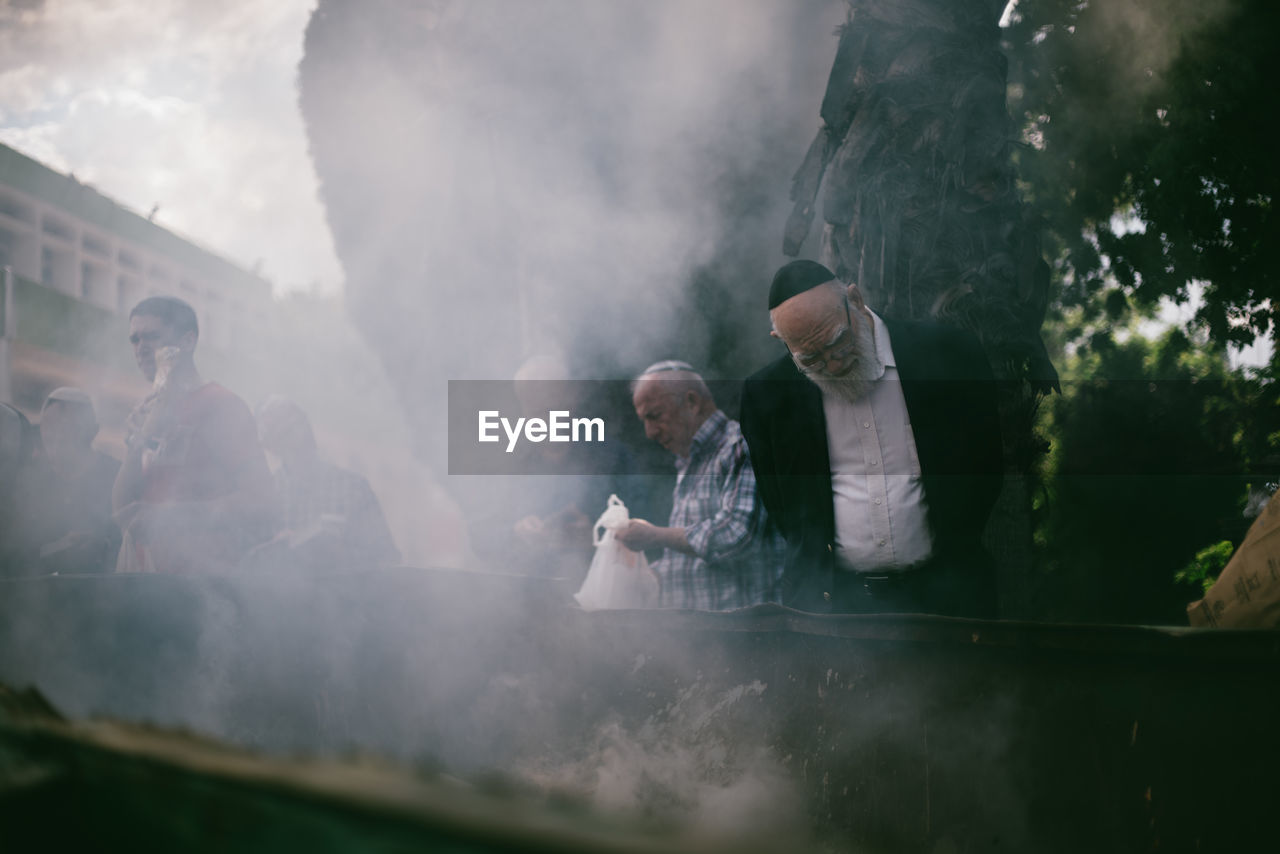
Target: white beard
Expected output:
[865,368]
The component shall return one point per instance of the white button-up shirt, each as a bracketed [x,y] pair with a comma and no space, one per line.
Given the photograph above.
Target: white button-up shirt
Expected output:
[877,494]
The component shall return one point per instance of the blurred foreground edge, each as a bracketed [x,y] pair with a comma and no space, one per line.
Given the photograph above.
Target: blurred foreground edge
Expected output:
[894,733]
[106,785]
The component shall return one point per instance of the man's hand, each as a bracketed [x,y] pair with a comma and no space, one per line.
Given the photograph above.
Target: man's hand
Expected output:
[639,535]
[530,530]
[565,529]
[147,421]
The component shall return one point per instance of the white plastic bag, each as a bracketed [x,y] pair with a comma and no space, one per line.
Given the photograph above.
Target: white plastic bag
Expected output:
[619,577]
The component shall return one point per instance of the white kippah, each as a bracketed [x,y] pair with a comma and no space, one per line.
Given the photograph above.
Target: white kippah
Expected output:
[667,365]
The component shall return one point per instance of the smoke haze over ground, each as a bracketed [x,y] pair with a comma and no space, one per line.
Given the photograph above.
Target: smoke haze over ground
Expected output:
[891,733]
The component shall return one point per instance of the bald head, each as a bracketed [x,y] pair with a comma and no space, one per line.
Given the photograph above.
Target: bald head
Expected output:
[676,375]
[672,401]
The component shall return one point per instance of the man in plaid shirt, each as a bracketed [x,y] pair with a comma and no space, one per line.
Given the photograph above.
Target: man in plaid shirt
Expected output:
[720,551]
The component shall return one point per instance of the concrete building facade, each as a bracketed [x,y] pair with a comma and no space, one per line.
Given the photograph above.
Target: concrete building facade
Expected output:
[64,243]
[73,263]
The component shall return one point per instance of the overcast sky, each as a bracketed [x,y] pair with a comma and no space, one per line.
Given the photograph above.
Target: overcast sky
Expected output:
[188,104]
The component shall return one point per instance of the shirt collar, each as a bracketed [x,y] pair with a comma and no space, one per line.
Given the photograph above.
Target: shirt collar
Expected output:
[884,351]
[707,434]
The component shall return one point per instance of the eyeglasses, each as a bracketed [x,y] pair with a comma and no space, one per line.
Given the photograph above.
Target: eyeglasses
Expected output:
[842,345]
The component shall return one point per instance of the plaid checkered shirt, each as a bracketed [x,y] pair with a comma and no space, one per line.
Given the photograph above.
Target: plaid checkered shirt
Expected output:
[738,554]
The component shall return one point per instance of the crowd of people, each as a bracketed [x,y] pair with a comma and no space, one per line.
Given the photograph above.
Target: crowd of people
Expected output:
[858,478]
[194,493]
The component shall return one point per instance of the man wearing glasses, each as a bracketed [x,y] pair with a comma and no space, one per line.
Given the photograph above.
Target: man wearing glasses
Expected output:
[876,444]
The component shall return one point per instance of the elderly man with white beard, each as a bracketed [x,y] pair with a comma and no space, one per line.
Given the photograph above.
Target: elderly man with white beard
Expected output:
[876,444]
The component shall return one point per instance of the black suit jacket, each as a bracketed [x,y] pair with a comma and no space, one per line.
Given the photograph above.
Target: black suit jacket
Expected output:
[951,401]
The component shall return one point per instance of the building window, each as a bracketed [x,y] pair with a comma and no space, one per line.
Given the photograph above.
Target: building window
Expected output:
[58,269]
[8,247]
[159,279]
[58,229]
[14,209]
[95,246]
[95,284]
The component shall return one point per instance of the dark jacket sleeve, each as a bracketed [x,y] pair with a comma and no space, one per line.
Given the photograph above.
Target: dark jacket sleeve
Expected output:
[759,450]
[956,421]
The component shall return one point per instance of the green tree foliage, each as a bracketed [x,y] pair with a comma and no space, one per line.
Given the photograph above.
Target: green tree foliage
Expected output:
[1147,137]
[1150,131]
[1147,468]
[1206,566]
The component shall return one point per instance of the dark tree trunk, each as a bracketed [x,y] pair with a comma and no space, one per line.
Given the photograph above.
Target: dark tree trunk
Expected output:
[921,209]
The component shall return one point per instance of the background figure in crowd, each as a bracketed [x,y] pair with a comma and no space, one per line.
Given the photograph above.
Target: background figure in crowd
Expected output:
[537,520]
[80,535]
[720,551]
[555,534]
[22,474]
[194,493]
[877,447]
[332,518]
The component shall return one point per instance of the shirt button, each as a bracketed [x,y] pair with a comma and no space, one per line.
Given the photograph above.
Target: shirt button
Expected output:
[873,462]
[826,596]
[881,543]
[877,501]
[866,424]
[830,547]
